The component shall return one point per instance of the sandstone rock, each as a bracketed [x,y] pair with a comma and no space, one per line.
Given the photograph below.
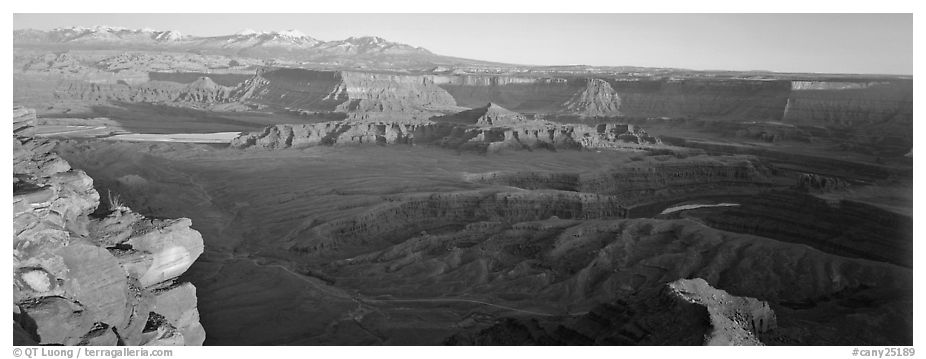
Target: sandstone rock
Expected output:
[135,263]
[95,279]
[684,312]
[27,201]
[76,196]
[116,227]
[58,320]
[734,320]
[596,99]
[137,309]
[487,116]
[201,93]
[29,283]
[355,92]
[102,336]
[173,246]
[160,332]
[71,288]
[462,131]
[22,337]
[62,63]
[820,183]
[178,306]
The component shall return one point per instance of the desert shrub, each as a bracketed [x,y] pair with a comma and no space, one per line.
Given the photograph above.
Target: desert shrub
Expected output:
[115,202]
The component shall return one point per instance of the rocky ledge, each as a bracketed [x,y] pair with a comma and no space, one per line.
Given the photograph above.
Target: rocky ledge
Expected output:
[84,275]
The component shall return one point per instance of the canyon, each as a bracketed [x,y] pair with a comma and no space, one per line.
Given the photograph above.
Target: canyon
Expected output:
[269,188]
[851,114]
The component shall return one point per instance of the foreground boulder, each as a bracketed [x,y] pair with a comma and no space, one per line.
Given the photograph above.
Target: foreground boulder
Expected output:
[79,279]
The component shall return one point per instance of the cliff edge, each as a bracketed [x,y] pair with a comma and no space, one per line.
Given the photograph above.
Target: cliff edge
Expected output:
[89,276]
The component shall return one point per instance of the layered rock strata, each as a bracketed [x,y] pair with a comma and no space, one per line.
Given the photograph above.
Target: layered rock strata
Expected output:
[857,114]
[843,227]
[636,183]
[819,183]
[62,63]
[326,91]
[85,278]
[203,91]
[487,129]
[400,219]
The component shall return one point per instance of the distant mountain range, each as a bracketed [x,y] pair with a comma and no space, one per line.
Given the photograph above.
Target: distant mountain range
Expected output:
[290,44]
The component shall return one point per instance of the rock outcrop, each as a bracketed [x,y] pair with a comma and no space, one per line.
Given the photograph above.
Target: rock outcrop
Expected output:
[400,219]
[710,99]
[490,115]
[635,183]
[87,276]
[597,99]
[176,63]
[490,128]
[874,115]
[62,63]
[819,183]
[526,135]
[734,320]
[842,227]
[683,312]
[201,92]
[339,91]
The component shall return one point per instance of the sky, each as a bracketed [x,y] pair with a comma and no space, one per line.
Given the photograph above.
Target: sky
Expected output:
[828,43]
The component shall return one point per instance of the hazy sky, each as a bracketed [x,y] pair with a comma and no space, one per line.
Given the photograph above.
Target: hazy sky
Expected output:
[834,43]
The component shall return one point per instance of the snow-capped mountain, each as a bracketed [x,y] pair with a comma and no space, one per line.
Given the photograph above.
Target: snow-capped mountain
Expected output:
[288,44]
[250,38]
[247,38]
[369,45]
[101,34]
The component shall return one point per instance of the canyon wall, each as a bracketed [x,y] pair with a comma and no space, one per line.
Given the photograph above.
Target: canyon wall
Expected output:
[844,228]
[84,275]
[528,135]
[399,220]
[744,99]
[872,114]
[647,182]
[863,116]
[526,95]
[228,80]
[740,100]
[828,166]
[202,91]
[325,91]
[885,106]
